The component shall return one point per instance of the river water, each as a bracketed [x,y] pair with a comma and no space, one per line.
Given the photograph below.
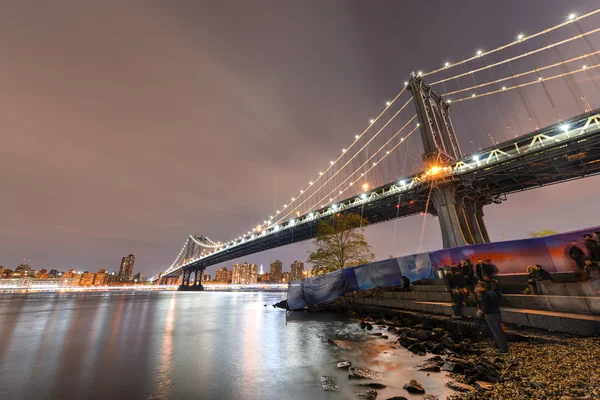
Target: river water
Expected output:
[173,345]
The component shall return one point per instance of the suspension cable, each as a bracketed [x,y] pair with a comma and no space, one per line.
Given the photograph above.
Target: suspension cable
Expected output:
[347,162]
[533,71]
[521,40]
[529,53]
[474,96]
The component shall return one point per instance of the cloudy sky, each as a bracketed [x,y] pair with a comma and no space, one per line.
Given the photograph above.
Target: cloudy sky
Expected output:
[127,125]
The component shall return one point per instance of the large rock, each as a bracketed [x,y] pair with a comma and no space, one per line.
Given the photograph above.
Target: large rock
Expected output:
[429,367]
[344,364]
[364,373]
[439,332]
[369,395]
[397,398]
[373,385]
[418,334]
[408,341]
[328,384]
[414,386]
[436,360]
[430,344]
[418,348]
[460,387]
[484,370]
[448,342]
[438,349]
[453,367]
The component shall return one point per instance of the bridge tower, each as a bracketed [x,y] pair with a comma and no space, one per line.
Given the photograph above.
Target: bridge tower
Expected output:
[460,217]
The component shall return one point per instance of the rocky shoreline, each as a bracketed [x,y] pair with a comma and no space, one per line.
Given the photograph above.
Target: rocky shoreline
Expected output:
[538,365]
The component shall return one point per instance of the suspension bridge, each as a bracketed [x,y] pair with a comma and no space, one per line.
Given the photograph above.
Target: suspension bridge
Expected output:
[527,113]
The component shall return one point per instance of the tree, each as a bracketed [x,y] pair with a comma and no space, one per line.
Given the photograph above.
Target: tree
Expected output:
[542,233]
[340,244]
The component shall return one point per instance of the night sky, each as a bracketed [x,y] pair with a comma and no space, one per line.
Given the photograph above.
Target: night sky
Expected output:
[127,125]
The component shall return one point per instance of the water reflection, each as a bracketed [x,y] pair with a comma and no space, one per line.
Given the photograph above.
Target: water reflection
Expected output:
[167,345]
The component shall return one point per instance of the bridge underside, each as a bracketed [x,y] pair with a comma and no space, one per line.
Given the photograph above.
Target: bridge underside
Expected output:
[541,165]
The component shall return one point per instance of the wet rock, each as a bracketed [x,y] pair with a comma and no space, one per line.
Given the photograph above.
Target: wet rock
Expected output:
[460,387]
[364,373]
[438,349]
[453,367]
[483,386]
[281,304]
[384,336]
[448,342]
[484,370]
[430,397]
[436,359]
[363,324]
[373,385]
[344,364]
[342,344]
[328,384]
[407,342]
[377,334]
[430,367]
[397,398]
[418,348]
[369,327]
[414,386]
[438,332]
[429,344]
[369,395]
[418,334]
[419,326]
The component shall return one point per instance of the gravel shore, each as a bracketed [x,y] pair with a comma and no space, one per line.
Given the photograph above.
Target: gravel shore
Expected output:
[569,369]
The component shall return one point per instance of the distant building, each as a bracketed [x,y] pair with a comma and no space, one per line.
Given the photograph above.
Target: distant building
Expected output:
[87,279]
[53,274]
[126,271]
[264,278]
[223,275]
[244,274]
[22,271]
[286,277]
[70,278]
[137,277]
[100,278]
[42,274]
[275,272]
[296,271]
[308,273]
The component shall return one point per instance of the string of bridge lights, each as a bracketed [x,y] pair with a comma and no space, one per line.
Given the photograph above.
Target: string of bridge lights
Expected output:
[538,80]
[343,166]
[521,74]
[508,60]
[357,137]
[571,18]
[374,164]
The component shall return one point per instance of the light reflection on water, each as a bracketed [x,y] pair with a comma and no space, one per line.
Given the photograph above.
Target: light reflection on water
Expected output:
[171,345]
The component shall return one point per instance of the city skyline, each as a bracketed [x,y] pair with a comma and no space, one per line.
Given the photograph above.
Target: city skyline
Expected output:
[278,82]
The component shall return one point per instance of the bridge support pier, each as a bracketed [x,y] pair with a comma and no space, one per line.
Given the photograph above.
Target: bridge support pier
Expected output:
[461,220]
[196,282]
